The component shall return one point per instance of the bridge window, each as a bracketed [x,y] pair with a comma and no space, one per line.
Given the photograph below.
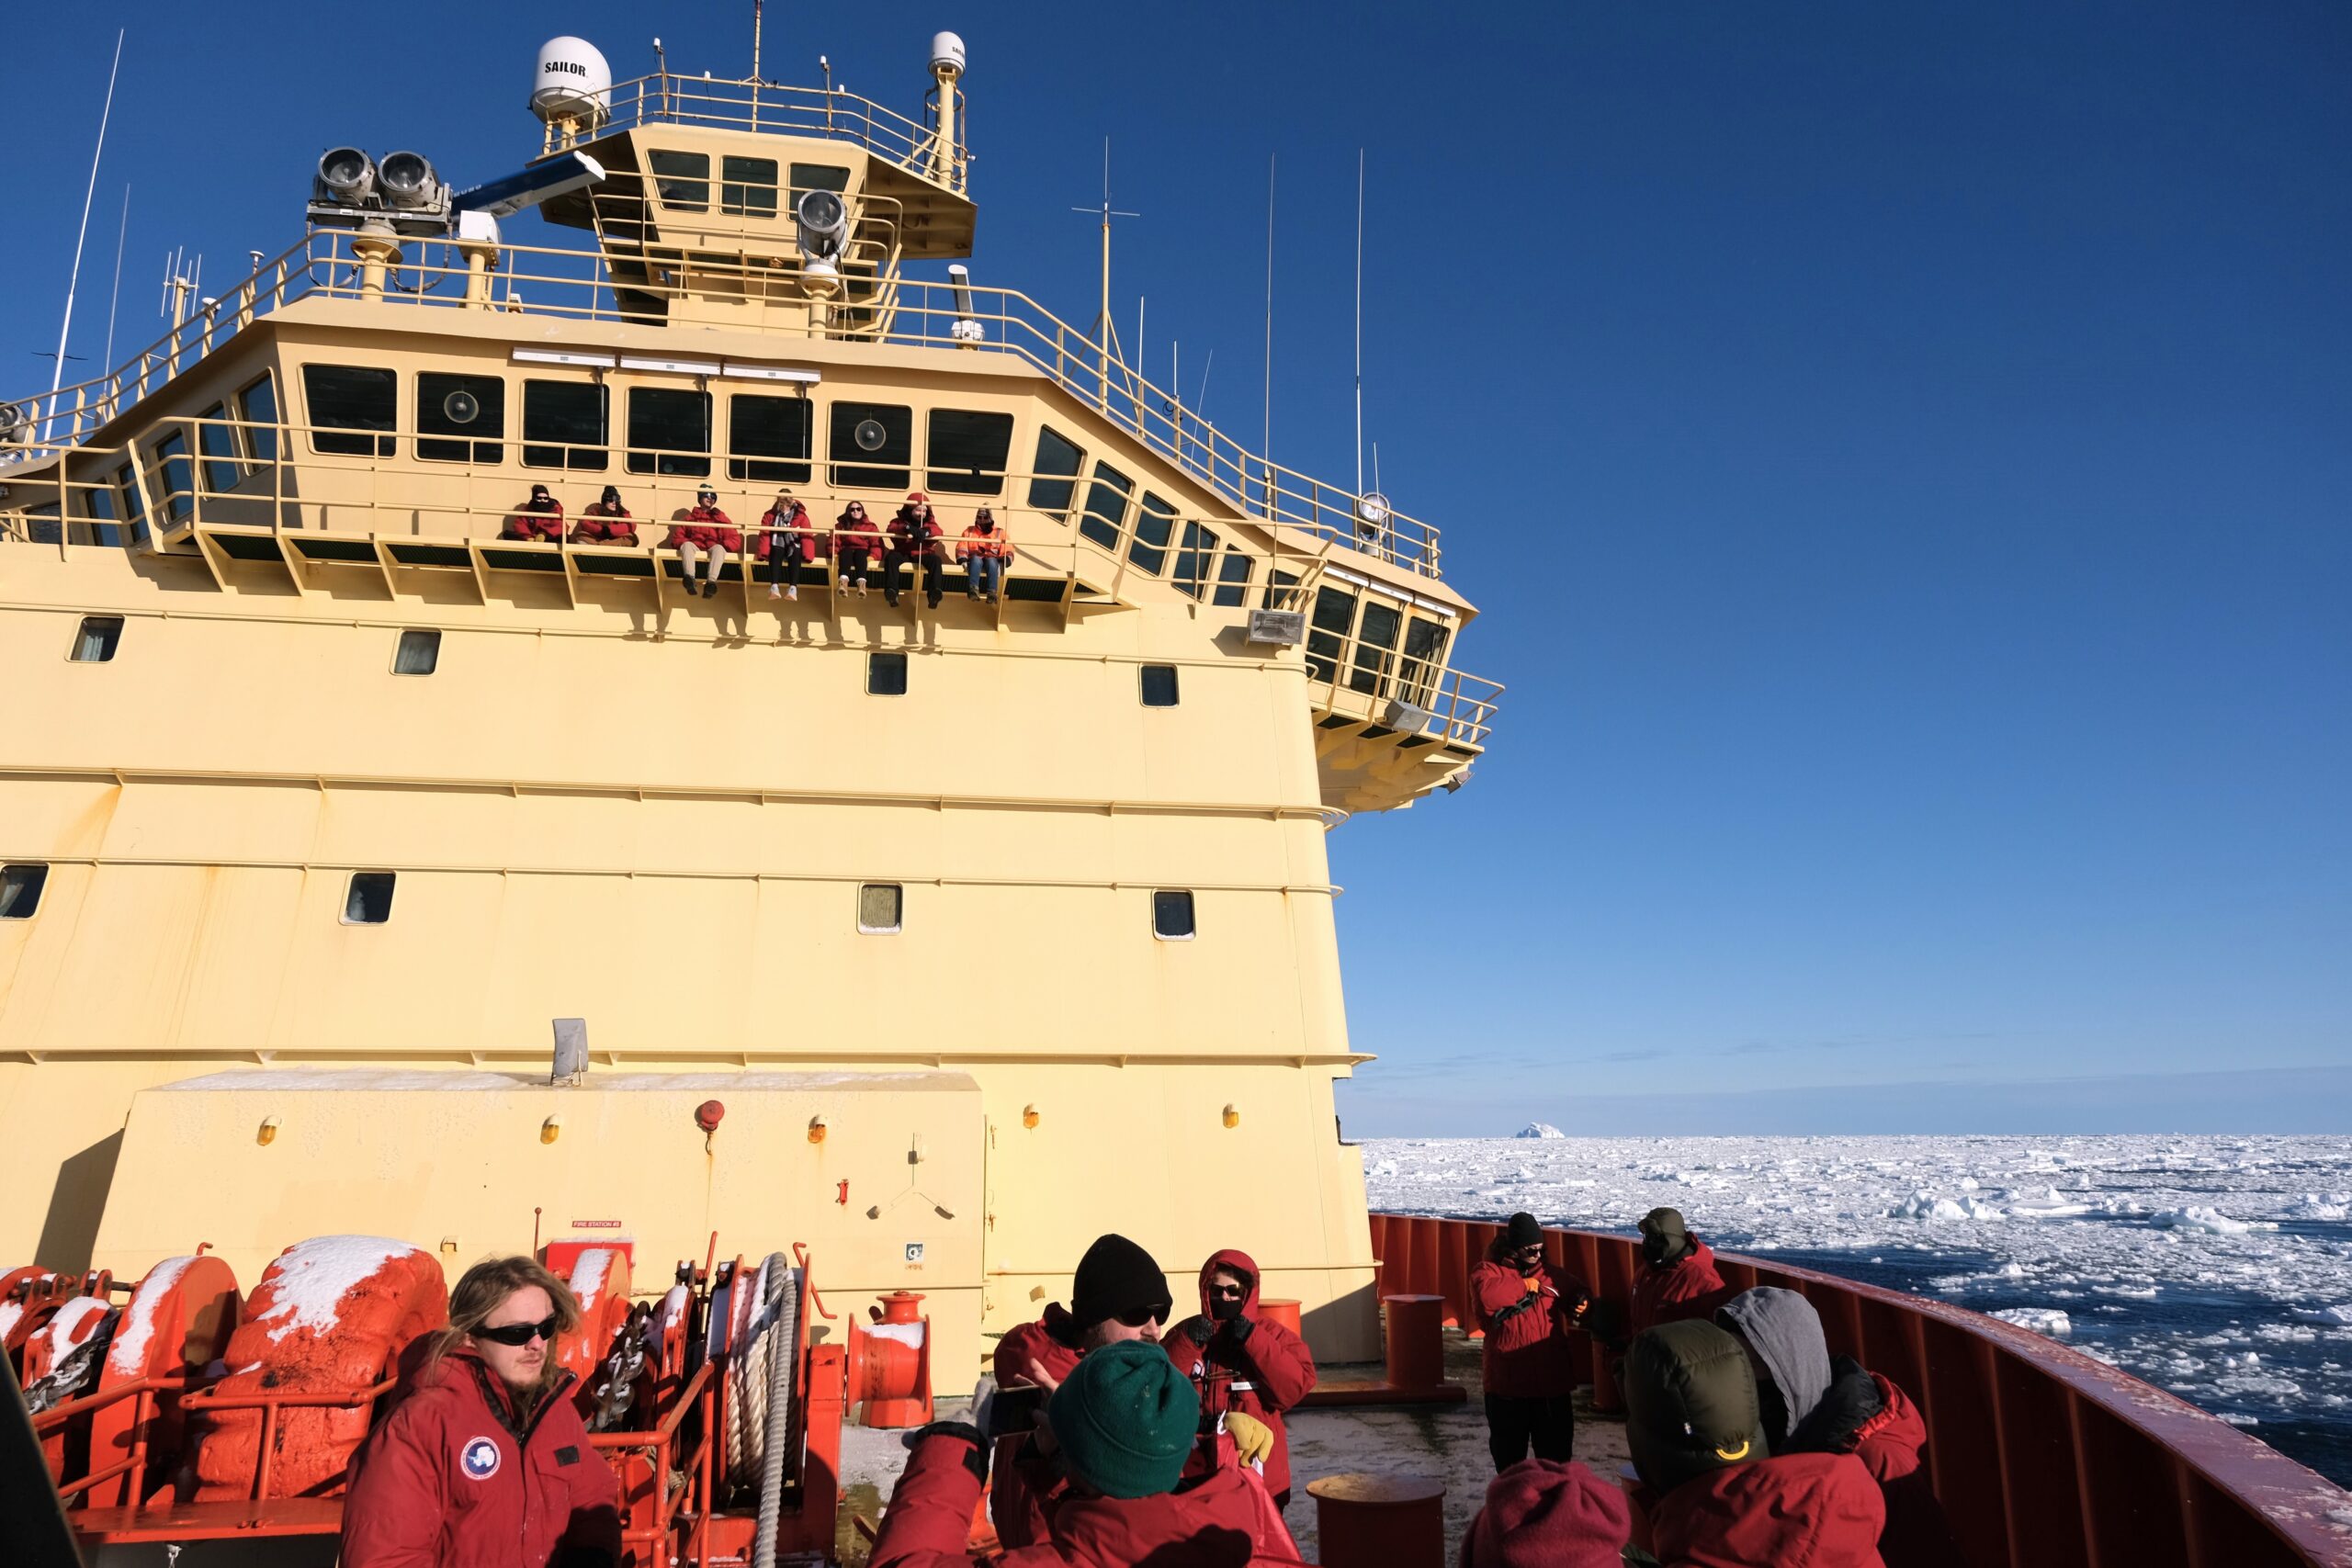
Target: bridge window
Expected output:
[881,908]
[1376,642]
[747,186]
[1281,591]
[20,888]
[669,431]
[1424,656]
[257,407]
[1056,472]
[1192,561]
[134,504]
[886,674]
[768,438]
[98,505]
[473,406]
[682,179]
[218,442]
[418,653]
[1335,612]
[96,639]
[1171,914]
[806,177]
[1160,685]
[352,397]
[1106,506]
[569,417]
[369,901]
[874,444]
[177,477]
[1233,578]
[1155,521]
[967,450]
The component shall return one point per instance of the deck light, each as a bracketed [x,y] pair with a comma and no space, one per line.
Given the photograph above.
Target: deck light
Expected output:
[346,175]
[1232,1117]
[408,182]
[267,1133]
[823,222]
[1028,1116]
[552,1129]
[816,1128]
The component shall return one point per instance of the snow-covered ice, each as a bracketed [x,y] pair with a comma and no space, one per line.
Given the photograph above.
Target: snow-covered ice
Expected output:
[1541,1130]
[2176,1257]
[2048,1321]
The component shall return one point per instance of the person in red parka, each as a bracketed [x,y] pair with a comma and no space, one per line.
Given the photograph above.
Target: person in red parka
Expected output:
[485,1462]
[705,530]
[1542,1515]
[542,517]
[915,535]
[1117,1434]
[856,541]
[1676,1277]
[1240,1362]
[1528,1310]
[605,521]
[1118,1292]
[1714,1495]
[786,541]
[1813,1402]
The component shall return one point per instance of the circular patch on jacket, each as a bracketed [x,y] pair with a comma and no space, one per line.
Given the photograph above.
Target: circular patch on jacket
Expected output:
[479,1458]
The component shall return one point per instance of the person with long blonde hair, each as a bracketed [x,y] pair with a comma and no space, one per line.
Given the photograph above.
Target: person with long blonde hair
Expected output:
[486,1460]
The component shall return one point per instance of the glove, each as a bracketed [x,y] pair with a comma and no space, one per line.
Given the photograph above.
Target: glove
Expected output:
[1535,1284]
[975,1457]
[1240,1328]
[1253,1439]
[1197,1328]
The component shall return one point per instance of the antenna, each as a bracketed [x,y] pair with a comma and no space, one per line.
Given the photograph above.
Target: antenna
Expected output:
[1359,321]
[1105,332]
[1266,439]
[57,377]
[757,7]
[114,301]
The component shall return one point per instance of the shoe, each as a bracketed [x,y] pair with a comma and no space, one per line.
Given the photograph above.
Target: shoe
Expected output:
[792,592]
[709,590]
[774,591]
[862,588]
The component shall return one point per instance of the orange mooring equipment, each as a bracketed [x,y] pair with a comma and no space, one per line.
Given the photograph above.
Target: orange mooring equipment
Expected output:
[192,1414]
[890,1362]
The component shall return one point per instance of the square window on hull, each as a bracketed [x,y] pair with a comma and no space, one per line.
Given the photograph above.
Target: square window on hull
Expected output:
[20,890]
[1160,685]
[886,674]
[1171,914]
[418,653]
[369,901]
[98,638]
[881,908]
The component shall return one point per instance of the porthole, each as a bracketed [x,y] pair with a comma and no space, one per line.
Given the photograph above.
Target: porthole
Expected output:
[886,674]
[1171,914]
[368,902]
[418,653]
[97,640]
[1160,685]
[20,890]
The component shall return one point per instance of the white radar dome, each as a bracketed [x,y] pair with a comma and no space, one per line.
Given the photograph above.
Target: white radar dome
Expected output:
[946,52]
[571,80]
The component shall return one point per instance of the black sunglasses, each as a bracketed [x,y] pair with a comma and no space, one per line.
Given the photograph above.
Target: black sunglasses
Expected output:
[1141,1315]
[1233,1293]
[519,1334]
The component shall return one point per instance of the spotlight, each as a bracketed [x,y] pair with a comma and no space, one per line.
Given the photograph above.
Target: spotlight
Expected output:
[346,175]
[409,183]
[824,225]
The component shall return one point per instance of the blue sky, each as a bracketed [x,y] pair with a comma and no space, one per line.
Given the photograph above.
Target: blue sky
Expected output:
[1903,456]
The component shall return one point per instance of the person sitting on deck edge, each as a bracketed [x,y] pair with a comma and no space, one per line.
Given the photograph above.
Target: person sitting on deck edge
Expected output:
[982,552]
[542,517]
[704,529]
[915,534]
[605,521]
[786,541]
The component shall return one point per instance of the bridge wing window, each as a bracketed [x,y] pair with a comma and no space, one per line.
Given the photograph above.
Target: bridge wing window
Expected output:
[218,442]
[1375,645]
[1056,472]
[768,438]
[669,431]
[1106,506]
[135,505]
[257,407]
[1424,657]
[345,398]
[806,177]
[966,452]
[175,476]
[98,505]
[568,417]
[747,186]
[472,406]
[1233,578]
[682,179]
[874,444]
[1155,522]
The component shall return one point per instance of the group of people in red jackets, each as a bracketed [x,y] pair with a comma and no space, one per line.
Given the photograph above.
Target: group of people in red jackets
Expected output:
[1752,1447]
[706,540]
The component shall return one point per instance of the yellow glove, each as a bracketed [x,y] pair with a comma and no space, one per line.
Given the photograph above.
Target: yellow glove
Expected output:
[1251,1437]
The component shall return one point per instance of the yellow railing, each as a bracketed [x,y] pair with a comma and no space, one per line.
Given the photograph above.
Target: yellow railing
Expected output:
[577,285]
[667,99]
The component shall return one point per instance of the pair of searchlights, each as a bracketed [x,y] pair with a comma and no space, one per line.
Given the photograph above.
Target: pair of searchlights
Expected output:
[351,190]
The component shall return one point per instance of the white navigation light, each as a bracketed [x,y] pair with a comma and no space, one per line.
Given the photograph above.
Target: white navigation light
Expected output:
[824,224]
[948,53]
[346,175]
[965,328]
[1372,511]
[571,81]
[408,183]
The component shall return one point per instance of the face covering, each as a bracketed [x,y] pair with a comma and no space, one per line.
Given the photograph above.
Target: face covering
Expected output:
[1654,1247]
[1225,1309]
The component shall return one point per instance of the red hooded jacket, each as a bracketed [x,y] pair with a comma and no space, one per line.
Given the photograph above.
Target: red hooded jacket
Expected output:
[1917,1534]
[703,527]
[1217,1521]
[602,524]
[1052,1343]
[1798,1511]
[916,534]
[1261,1376]
[1528,1353]
[533,523]
[803,537]
[1688,1287]
[457,1478]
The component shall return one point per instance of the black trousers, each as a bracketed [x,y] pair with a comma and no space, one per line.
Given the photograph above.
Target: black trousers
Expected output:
[929,561]
[1513,1424]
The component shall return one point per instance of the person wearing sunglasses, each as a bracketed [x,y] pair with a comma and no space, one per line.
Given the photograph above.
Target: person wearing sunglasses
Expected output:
[1118,1293]
[486,1460]
[1241,1363]
[1528,1310]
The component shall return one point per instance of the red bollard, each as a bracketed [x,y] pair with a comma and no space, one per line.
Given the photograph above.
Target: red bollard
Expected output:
[1368,1520]
[1283,1312]
[1416,1341]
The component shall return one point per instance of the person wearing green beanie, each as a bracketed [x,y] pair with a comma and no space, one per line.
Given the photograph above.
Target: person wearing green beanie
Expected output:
[1124,1419]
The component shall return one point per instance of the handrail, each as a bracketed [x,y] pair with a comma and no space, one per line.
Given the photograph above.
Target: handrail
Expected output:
[2040,1454]
[918,313]
[669,98]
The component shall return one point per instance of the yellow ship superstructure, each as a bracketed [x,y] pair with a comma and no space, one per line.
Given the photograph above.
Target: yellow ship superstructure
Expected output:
[941,940]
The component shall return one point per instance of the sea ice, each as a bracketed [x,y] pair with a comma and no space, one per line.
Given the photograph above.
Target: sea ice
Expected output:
[1540,1130]
[2047,1321]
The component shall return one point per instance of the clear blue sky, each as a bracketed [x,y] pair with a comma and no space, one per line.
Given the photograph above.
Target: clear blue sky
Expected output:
[1903,455]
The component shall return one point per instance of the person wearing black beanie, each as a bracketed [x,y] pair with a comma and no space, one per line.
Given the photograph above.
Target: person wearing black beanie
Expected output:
[1528,1310]
[1119,1280]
